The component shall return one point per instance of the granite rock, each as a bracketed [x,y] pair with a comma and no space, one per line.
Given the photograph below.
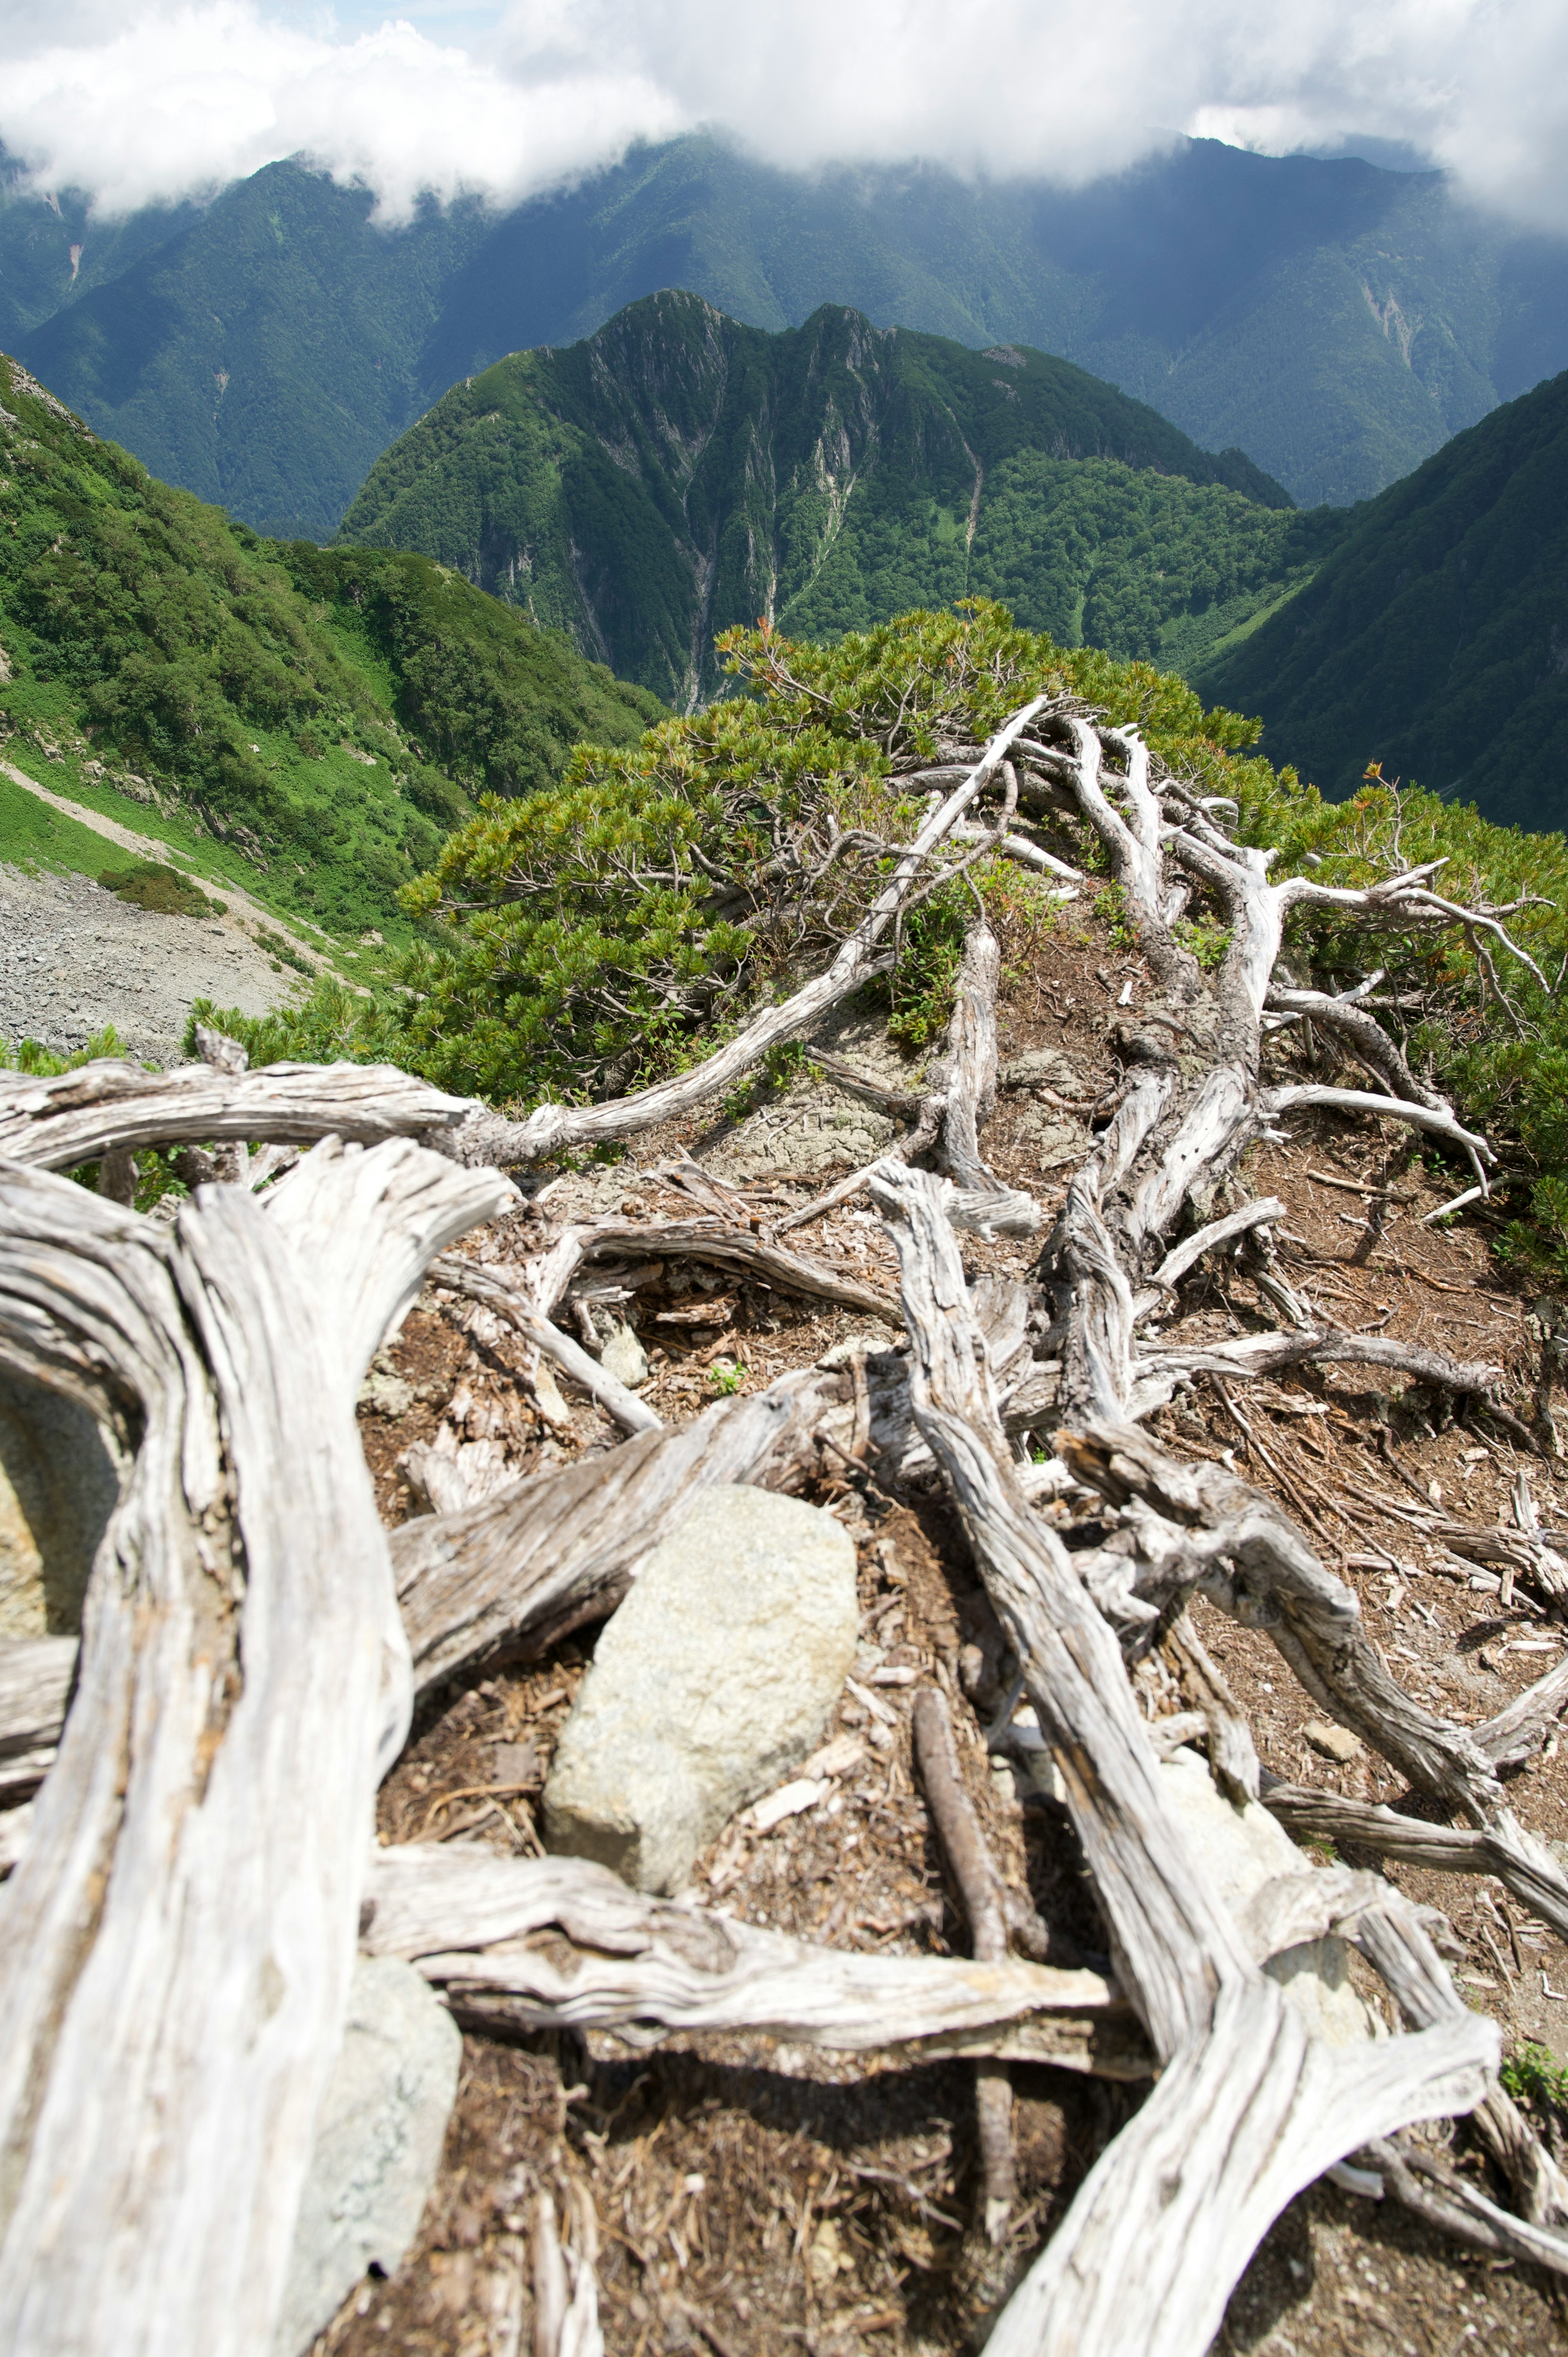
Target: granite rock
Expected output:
[710,1685]
[378,2145]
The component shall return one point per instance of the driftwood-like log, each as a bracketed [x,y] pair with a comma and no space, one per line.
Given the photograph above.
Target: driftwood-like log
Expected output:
[181,1930]
[560,1941]
[1248,2108]
[111,1105]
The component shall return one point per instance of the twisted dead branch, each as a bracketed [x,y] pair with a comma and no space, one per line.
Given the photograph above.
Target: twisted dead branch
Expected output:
[180,1927]
[245,1672]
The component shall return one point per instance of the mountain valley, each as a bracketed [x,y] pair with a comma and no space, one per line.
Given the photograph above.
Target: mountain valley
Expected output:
[1336,320]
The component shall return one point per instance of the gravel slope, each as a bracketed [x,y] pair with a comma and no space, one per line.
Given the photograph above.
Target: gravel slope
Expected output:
[73,958]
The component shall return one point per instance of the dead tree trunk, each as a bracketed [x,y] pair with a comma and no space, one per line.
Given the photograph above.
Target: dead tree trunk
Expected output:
[1248,2108]
[181,1928]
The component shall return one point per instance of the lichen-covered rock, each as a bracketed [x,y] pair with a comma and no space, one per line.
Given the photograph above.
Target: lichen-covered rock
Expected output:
[378,2145]
[624,1357]
[710,1685]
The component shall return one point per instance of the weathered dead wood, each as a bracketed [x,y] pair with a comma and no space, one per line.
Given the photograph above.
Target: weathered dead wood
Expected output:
[1445,1849]
[180,1928]
[565,2288]
[1232,1754]
[483,1284]
[1248,2108]
[1520,1730]
[561,1941]
[1462,2210]
[1266,1354]
[969,1081]
[1185,1255]
[715,1242]
[1251,1561]
[54,1125]
[1393,1936]
[521,1569]
[984,1895]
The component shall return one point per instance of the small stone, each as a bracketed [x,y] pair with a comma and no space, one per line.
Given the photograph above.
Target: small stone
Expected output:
[1042,1068]
[386,1395]
[1333,1742]
[624,1357]
[378,2145]
[710,1685]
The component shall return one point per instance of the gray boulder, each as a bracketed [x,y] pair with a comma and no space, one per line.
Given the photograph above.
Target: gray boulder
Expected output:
[378,2145]
[58,1486]
[711,1683]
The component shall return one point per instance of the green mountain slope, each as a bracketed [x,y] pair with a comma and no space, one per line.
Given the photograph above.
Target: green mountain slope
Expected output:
[1434,638]
[262,354]
[1335,320]
[677,472]
[321,718]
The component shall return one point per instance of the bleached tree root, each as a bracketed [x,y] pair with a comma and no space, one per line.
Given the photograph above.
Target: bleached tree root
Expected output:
[1238,2124]
[1502,1848]
[618,1959]
[181,1930]
[1248,2108]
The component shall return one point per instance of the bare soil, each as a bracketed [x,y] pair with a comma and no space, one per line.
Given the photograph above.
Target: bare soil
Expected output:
[747,2198]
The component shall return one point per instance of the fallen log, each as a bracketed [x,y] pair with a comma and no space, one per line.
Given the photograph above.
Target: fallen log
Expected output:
[180,1928]
[560,1941]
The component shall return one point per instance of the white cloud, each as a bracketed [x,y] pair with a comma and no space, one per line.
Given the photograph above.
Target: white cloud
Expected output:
[160,100]
[183,100]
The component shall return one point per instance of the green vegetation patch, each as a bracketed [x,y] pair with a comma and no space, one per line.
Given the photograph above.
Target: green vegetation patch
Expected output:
[162,890]
[1434,638]
[326,718]
[593,936]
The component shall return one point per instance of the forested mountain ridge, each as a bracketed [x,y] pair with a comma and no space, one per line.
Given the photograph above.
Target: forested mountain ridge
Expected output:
[677,472]
[323,717]
[1336,320]
[1435,636]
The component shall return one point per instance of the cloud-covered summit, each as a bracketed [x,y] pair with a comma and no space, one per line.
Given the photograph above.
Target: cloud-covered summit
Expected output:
[159,101]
